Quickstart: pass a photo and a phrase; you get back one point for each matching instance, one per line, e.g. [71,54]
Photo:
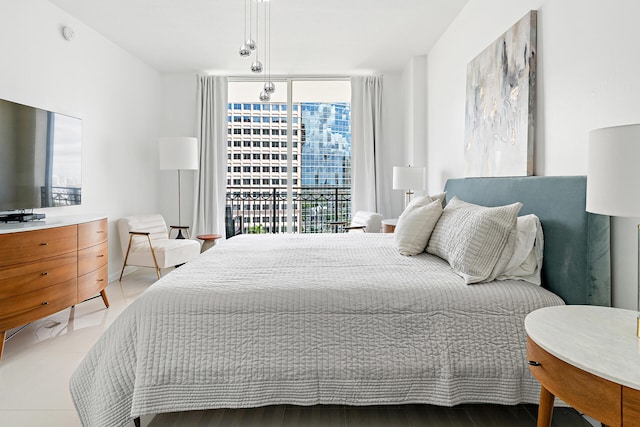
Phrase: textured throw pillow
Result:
[472,237]
[415,225]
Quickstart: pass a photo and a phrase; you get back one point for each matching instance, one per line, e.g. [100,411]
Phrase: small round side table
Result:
[208,240]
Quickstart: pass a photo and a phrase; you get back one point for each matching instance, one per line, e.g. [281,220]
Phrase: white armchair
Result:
[369,222]
[145,242]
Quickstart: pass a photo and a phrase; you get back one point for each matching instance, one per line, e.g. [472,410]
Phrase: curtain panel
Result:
[211,183]
[366,140]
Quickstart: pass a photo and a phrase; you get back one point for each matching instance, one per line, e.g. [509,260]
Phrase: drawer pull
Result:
[101,255]
[100,231]
[534,363]
[44,273]
[45,303]
[44,244]
[100,280]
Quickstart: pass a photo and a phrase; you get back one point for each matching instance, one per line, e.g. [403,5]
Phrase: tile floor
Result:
[39,360]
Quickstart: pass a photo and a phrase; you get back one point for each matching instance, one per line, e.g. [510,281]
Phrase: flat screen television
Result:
[40,158]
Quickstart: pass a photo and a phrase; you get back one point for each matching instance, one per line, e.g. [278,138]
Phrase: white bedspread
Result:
[310,319]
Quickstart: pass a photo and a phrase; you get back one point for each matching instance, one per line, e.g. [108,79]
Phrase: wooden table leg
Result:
[105,300]
[545,410]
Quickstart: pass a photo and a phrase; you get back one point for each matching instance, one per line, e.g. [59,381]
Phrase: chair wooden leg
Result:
[124,263]
[155,261]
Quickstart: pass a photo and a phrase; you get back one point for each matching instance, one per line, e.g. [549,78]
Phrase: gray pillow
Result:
[472,237]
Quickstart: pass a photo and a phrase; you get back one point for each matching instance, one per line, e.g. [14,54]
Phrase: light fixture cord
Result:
[244,35]
[268,5]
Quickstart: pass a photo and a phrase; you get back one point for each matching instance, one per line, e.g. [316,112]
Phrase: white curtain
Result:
[366,139]
[211,183]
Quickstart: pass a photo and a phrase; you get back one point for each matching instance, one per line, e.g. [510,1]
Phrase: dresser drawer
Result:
[24,278]
[92,233]
[585,392]
[92,258]
[92,283]
[25,308]
[27,246]
[630,407]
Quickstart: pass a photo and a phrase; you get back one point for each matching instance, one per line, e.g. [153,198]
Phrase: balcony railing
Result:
[264,209]
[60,196]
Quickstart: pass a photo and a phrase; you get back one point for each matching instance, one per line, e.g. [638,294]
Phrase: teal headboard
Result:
[576,263]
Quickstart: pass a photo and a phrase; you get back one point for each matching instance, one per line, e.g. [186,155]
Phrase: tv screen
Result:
[40,158]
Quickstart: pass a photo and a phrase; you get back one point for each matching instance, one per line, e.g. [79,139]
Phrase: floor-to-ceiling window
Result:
[289,159]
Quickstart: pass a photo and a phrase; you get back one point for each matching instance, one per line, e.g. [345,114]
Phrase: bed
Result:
[342,319]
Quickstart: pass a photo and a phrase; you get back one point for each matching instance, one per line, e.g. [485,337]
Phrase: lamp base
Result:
[179,236]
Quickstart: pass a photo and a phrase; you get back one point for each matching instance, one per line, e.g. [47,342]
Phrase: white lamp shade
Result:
[613,171]
[179,153]
[408,178]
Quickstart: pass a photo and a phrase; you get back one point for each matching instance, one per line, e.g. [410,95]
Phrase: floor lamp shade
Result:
[179,153]
[613,176]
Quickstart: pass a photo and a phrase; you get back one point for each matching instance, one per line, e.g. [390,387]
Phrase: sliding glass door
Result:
[289,159]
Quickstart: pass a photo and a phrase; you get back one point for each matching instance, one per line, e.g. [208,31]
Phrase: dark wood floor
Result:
[371,416]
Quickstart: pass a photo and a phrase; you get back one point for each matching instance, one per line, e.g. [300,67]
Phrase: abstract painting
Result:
[501,104]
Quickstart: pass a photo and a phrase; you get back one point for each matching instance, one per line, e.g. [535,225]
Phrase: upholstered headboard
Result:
[576,263]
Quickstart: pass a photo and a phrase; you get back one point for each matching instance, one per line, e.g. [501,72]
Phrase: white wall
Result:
[587,78]
[178,118]
[115,94]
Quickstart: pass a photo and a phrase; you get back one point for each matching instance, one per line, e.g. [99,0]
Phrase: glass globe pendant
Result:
[256,67]
[264,96]
[244,50]
[251,44]
[269,87]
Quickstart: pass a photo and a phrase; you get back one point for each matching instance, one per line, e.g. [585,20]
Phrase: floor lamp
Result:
[408,178]
[613,175]
[179,153]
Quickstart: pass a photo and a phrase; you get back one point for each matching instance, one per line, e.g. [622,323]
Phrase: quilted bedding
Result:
[310,319]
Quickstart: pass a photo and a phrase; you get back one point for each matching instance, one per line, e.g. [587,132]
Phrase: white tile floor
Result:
[38,361]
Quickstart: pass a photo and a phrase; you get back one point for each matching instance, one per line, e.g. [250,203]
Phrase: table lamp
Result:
[179,153]
[408,178]
[613,175]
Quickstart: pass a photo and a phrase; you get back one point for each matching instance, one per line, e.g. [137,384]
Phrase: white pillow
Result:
[415,225]
[472,237]
[526,261]
[425,200]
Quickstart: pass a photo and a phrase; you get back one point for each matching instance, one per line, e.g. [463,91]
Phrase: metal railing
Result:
[264,209]
[60,196]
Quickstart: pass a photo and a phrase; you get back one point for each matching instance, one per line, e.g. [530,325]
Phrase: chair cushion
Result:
[371,220]
[169,252]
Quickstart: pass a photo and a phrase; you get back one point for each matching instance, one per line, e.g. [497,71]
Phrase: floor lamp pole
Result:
[179,236]
[638,307]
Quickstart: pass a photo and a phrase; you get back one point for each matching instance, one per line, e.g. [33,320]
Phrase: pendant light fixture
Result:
[249,45]
[269,87]
[256,66]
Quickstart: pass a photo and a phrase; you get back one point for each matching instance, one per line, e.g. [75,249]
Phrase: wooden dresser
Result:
[47,267]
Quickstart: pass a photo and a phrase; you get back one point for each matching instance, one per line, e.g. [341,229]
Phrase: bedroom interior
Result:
[131,85]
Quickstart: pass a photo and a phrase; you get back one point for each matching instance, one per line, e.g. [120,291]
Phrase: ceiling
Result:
[333,37]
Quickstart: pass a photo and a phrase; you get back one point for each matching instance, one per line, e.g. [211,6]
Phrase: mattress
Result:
[310,319]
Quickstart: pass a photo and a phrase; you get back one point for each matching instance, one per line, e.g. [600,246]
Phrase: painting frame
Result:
[501,104]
